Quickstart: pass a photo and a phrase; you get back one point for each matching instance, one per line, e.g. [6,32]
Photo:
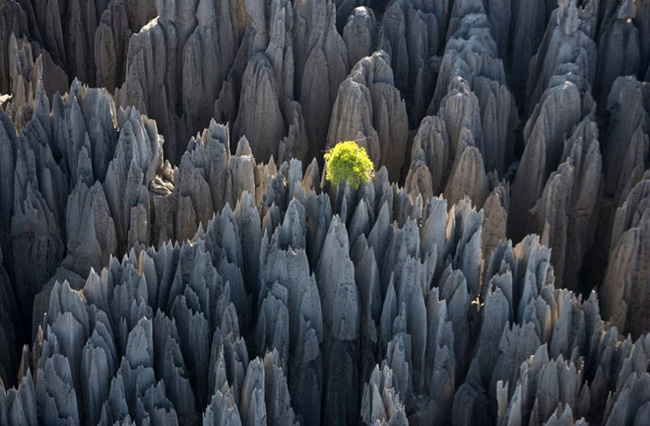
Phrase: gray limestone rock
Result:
[562,107]
[222,411]
[627,134]
[643,26]
[337,288]
[410,34]
[249,223]
[118,22]
[18,405]
[625,406]
[92,240]
[137,159]
[495,224]
[467,178]
[516,345]
[321,64]
[14,23]
[565,214]
[55,393]
[208,56]
[265,399]
[39,185]
[471,95]
[341,306]
[260,117]
[370,110]
[359,34]
[381,403]
[31,72]
[624,286]
[152,69]
[546,386]
[381,305]
[98,365]
[430,159]
[566,28]
[618,38]
[272,331]
[528,24]
[499,118]
[243,171]
[67,31]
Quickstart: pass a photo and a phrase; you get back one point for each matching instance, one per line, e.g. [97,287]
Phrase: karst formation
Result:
[172,252]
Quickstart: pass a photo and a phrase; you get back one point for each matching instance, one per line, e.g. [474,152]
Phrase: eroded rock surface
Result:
[171,251]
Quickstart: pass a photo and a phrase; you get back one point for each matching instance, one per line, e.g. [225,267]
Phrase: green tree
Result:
[347,161]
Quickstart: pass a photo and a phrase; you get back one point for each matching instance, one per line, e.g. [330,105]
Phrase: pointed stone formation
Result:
[468,178]
[496,220]
[166,273]
[568,26]
[430,162]
[472,99]
[13,21]
[618,39]
[528,24]
[562,106]
[31,72]
[411,32]
[359,34]
[153,67]
[626,406]
[67,32]
[208,56]
[625,285]
[381,403]
[137,160]
[269,115]
[370,110]
[565,213]
[560,383]
[627,140]
[341,321]
[55,393]
[321,64]
[260,117]
[119,21]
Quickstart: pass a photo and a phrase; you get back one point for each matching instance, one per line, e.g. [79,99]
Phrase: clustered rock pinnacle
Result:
[172,254]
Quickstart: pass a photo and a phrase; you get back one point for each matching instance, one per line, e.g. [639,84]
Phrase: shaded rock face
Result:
[172,253]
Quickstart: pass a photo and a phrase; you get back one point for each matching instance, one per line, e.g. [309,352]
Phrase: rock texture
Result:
[370,110]
[171,251]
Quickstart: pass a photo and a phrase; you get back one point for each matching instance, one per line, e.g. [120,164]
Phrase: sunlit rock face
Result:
[172,253]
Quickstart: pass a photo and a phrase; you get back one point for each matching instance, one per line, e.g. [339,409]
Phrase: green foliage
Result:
[349,162]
